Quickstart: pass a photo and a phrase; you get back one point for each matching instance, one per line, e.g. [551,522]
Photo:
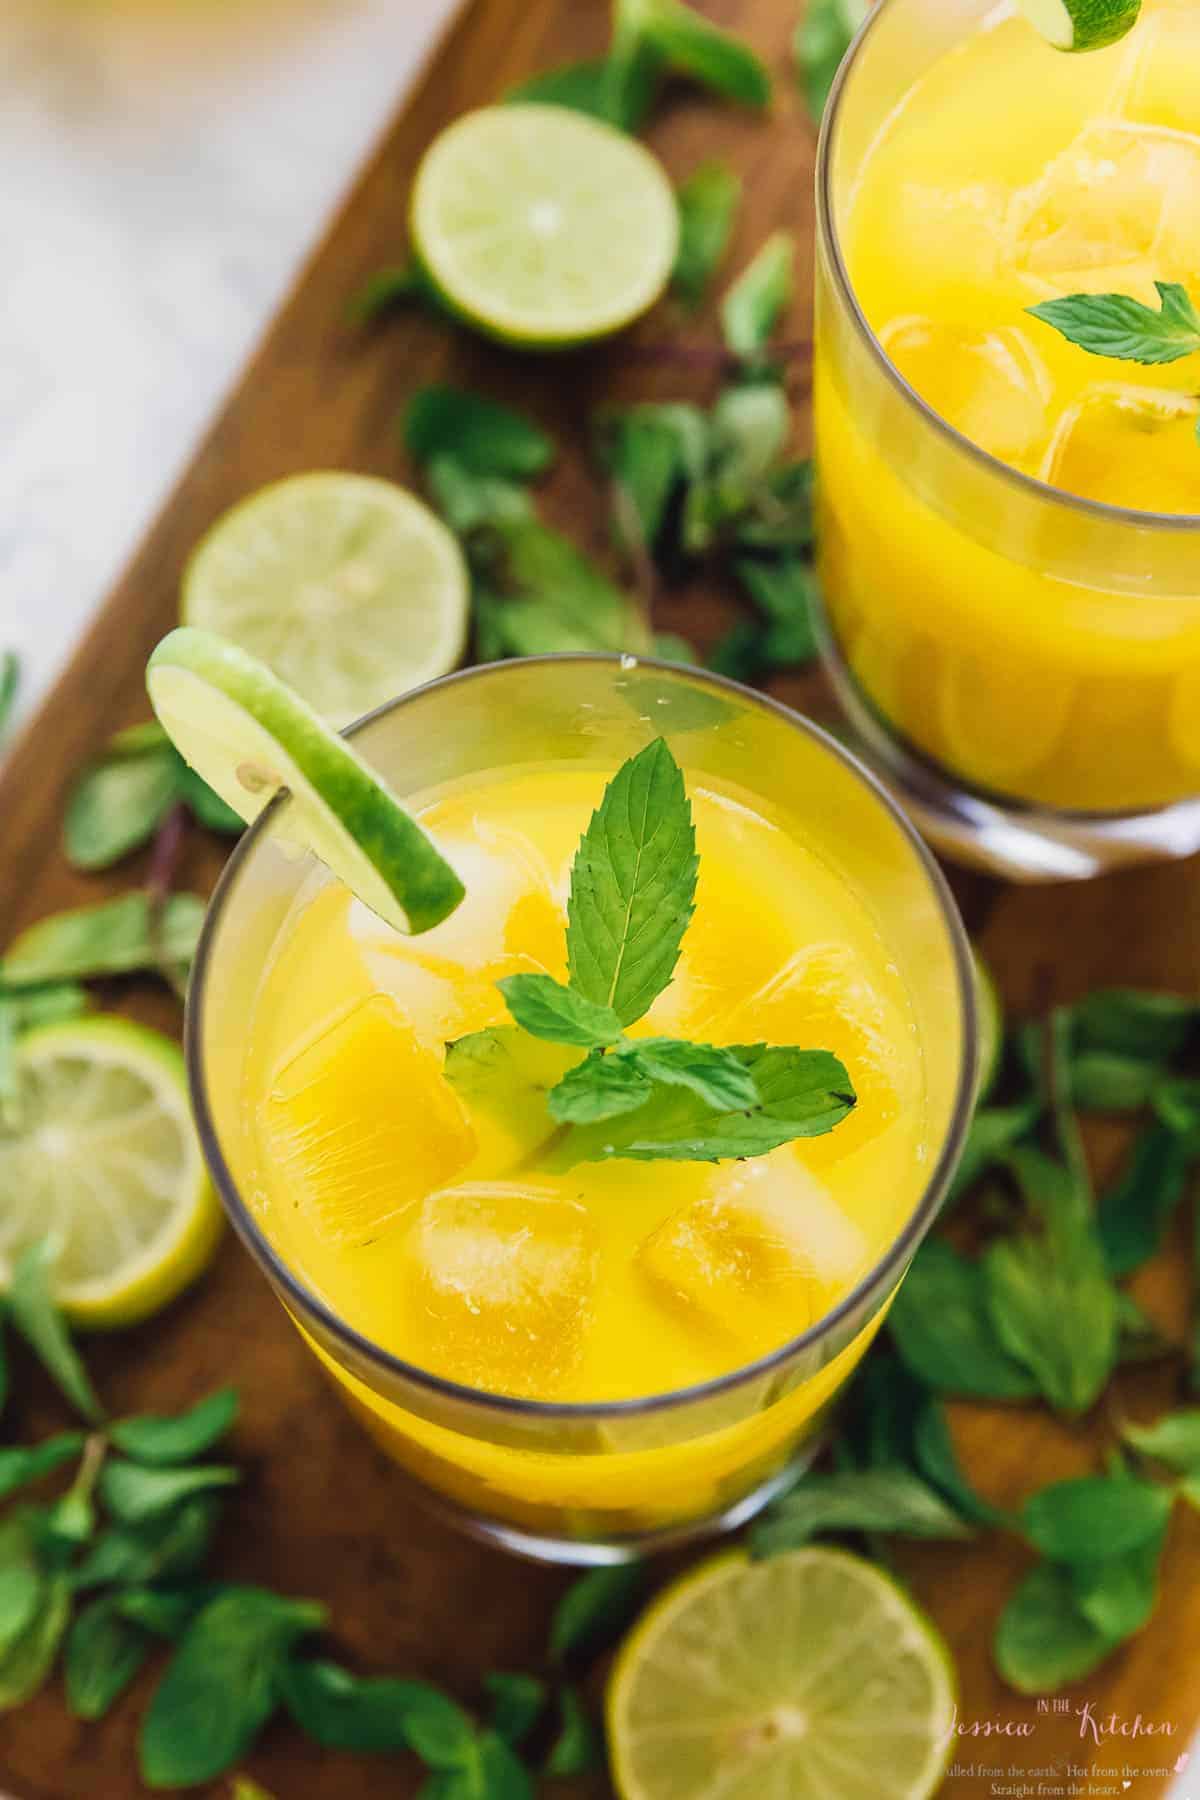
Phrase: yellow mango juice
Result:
[1031,643]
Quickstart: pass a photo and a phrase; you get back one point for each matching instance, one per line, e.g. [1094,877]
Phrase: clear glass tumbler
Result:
[590,1482]
[1023,665]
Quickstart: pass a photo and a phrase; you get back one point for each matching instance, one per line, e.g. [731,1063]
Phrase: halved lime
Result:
[1081,24]
[991,1025]
[809,1675]
[348,587]
[542,226]
[98,1151]
[249,735]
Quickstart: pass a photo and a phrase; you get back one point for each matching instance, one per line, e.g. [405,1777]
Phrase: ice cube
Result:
[761,1257]
[1129,445]
[1157,79]
[991,385]
[503,1274]
[822,999]
[361,1124]
[952,228]
[1114,210]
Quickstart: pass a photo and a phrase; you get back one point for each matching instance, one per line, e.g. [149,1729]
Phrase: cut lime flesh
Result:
[542,226]
[249,735]
[808,1675]
[348,587]
[99,1153]
[1082,24]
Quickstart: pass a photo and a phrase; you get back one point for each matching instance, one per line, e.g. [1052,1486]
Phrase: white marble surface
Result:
[167,164]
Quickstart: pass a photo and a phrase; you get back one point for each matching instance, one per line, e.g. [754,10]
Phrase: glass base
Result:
[589,1553]
[1021,843]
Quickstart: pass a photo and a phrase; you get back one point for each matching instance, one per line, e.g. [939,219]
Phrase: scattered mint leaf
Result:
[1173,1439]
[892,1500]
[942,1328]
[621,96]
[779,515]
[402,284]
[20,1597]
[177,1439]
[33,1311]
[1134,1213]
[1094,1516]
[469,503]
[165,1612]
[595,1610]
[821,41]
[377,1714]
[1117,325]
[548,597]
[1135,1022]
[221,1686]
[937,1460]
[20,1465]
[802,1093]
[784,591]
[716,1076]
[119,802]
[1104,1082]
[755,303]
[708,202]
[482,436]
[993,1132]
[600,1087]
[114,937]
[1043,1639]
[1139,1339]
[27,1661]
[687,44]
[169,1546]
[50,1004]
[134,1494]
[1118,1594]
[577,1750]
[563,1015]
[632,886]
[651,452]
[10,675]
[518,1702]
[1177,1103]
[104,1652]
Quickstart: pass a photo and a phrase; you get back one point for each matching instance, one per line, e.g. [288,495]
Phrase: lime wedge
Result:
[810,1675]
[991,1026]
[348,587]
[249,735]
[543,226]
[1081,24]
[98,1151]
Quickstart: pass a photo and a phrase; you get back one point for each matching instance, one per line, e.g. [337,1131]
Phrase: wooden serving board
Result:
[321,1512]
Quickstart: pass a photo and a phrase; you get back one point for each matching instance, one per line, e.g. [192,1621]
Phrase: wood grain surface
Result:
[321,1512]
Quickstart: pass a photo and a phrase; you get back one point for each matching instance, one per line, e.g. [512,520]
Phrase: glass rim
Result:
[1032,486]
[310,1306]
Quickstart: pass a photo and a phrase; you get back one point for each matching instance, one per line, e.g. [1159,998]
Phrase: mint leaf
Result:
[1043,1639]
[1134,1022]
[944,1333]
[1135,1212]
[595,1609]
[708,202]
[10,674]
[1094,1516]
[134,1494]
[620,92]
[1174,1439]
[482,436]
[751,309]
[632,886]
[577,1749]
[169,1546]
[20,1464]
[601,1087]
[114,937]
[378,1714]
[821,41]
[404,284]
[1118,1594]
[547,1009]
[104,1651]
[177,1439]
[119,801]
[892,1500]
[517,1704]
[33,1311]
[1117,325]
[937,1460]
[651,451]
[1102,1082]
[801,1093]
[785,593]
[688,45]
[716,1076]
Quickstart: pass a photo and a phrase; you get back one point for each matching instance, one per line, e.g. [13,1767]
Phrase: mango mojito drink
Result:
[1009,529]
[590,1196]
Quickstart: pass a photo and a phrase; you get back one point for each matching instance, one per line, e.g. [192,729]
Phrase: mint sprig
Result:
[633,885]
[1118,325]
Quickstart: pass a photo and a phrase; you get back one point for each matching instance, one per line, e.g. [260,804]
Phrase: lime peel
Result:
[1081,24]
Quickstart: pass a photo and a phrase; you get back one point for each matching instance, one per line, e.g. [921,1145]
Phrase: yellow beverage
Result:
[1036,648]
[418,1214]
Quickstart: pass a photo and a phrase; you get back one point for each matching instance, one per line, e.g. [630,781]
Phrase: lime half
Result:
[98,1151]
[809,1675]
[991,1025]
[249,735]
[348,587]
[543,226]
[1081,24]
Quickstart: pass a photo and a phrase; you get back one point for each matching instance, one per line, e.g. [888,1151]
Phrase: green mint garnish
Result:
[1119,326]
[633,884]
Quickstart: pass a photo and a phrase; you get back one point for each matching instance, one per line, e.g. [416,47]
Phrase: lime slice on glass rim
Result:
[1081,24]
[98,1152]
[347,586]
[991,1026]
[542,226]
[809,1675]
[249,735]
